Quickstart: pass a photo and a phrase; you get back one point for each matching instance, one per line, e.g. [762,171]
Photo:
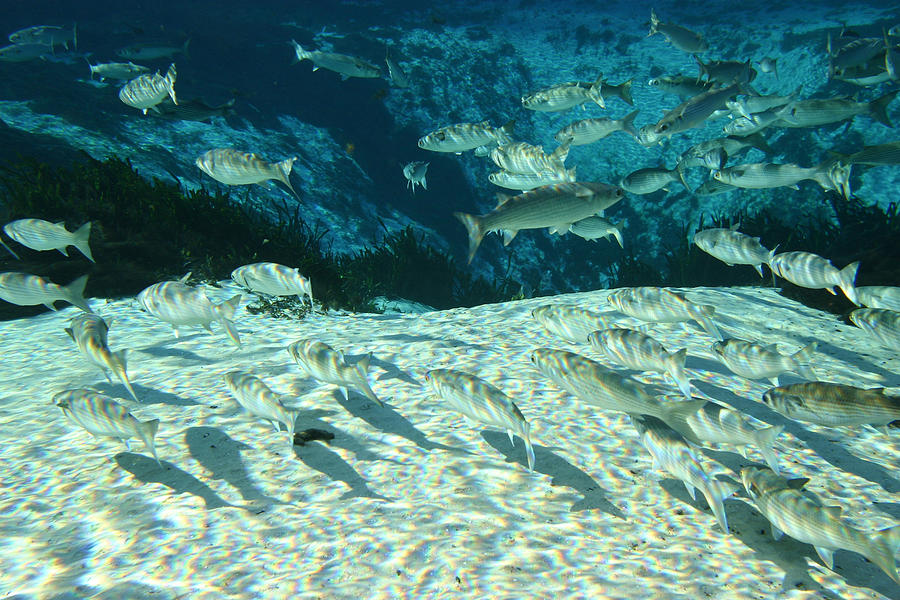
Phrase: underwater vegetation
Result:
[148,231]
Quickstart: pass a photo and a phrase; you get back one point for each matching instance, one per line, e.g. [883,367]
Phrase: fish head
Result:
[718,348]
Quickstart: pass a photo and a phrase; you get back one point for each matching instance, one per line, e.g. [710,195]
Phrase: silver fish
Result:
[834,404]
[149,90]
[183,306]
[734,248]
[102,416]
[321,361]
[768,65]
[152,50]
[414,172]
[38,234]
[771,175]
[522,157]
[343,64]
[823,111]
[680,85]
[191,110]
[119,71]
[672,454]
[854,53]
[89,332]
[648,137]
[594,228]
[652,179]
[555,206]
[878,155]
[713,159]
[731,145]
[571,323]
[695,111]
[398,77]
[725,72]
[273,279]
[46,35]
[755,361]
[29,290]
[681,37]
[757,104]
[483,403]
[260,401]
[881,323]
[891,58]
[466,136]
[588,131]
[621,91]
[751,124]
[529,181]
[564,96]
[812,271]
[659,305]
[879,296]
[233,167]
[635,350]
[22,52]
[805,519]
[713,187]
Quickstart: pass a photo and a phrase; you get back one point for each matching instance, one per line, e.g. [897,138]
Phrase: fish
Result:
[756,104]
[877,155]
[322,362]
[680,85]
[867,75]
[594,228]
[725,72]
[734,248]
[233,167]
[46,35]
[571,323]
[713,187]
[648,137]
[152,50]
[588,131]
[483,403]
[256,398]
[346,66]
[732,145]
[891,59]
[854,53]
[812,271]
[659,305]
[191,110]
[117,70]
[180,305]
[89,332]
[794,512]
[102,416]
[30,290]
[713,159]
[621,91]
[529,181]
[883,324]
[768,65]
[147,90]
[636,350]
[879,296]
[771,175]
[672,454]
[466,136]
[398,77]
[753,123]
[834,404]
[755,361]
[694,111]
[40,235]
[703,423]
[681,37]
[652,179]
[824,111]
[522,157]
[555,206]
[415,174]
[564,96]
[594,383]
[273,279]
[22,52]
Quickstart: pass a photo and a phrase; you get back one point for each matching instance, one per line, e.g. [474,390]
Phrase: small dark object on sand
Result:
[311,435]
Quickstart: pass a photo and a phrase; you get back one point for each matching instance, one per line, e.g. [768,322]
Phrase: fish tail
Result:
[147,432]
[81,239]
[883,548]
[362,367]
[119,366]
[10,250]
[704,317]
[681,178]
[765,441]
[618,235]
[759,142]
[300,53]
[878,107]
[284,170]
[292,423]
[846,279]
[569,174]
[476,231]
[715,494]
[625,91]
[226,314]
[74,294]
[628,124]
[654,23]
[675,369]
[561,153]
[170,83]
[802,358]
[529,449]
[596,91]
[504,134]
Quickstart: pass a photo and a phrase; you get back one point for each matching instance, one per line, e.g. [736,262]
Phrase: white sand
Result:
[411,501]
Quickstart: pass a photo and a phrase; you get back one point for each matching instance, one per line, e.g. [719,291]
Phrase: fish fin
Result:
[765,442]
[71,333]
[759,269]
[716,494]
[509,434]
[170,84]
[476,231]
[802,358]
[691,490]
[703,317]
[847,279]
[147,432]
[81,238]
[10,250]
[797,483]
[776,533]
[826,555]
[284,168]
[184,48]
[626,93]
[185,277]
[833,511]
[878,108]
[74,294]
[508,236]
[675,369]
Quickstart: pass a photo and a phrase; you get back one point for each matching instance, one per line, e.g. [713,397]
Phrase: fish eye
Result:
[440,136]
[663,127]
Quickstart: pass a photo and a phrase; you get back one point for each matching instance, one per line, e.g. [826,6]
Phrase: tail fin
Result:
[74,294]
[504,134]
[596,91]
[675,369]
[561,153]
[625,91]
[476,232]
[701,67]
[362,367]
[802,358]
[757,141]
[765,441]
[10,250]
[704,317]
[284,170]
[120,368]
[682,179]
[529,449]
[878,108]
[884,547]
[81,239]
[654,23]
[628,122]
[147,432]
[170,82]
[226,314]
[846,279]
[617,233]
[715,494]
[299,52]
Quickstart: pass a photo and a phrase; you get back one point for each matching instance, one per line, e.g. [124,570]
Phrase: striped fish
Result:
[564,96]
[321,361]
[149,90]
[555,206]
[595,384]
[659,305]
[594,228]
[812,271]
[805,519]
[343,64]
[183,306]
[30,290]
[694,111]
[466,136]
[274,279]
[529,181]
[260,401]
[102,416]
[834,404]
[571,323]
[89,332]
[881,323]
[588,131]
[483,403]
[755,361]
[525,158]
[879,296]
[734,248]
[40,235]
[672,454]
[635,350]
[232,167]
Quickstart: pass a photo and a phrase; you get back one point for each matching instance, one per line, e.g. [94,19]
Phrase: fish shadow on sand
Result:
[221,456]
[164,351]
[853,359]
[392,371]
[320,458]
[561,472]
[832,452]
[146,395]
[146,470]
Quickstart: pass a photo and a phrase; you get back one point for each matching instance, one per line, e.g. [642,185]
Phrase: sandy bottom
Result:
[411,500]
